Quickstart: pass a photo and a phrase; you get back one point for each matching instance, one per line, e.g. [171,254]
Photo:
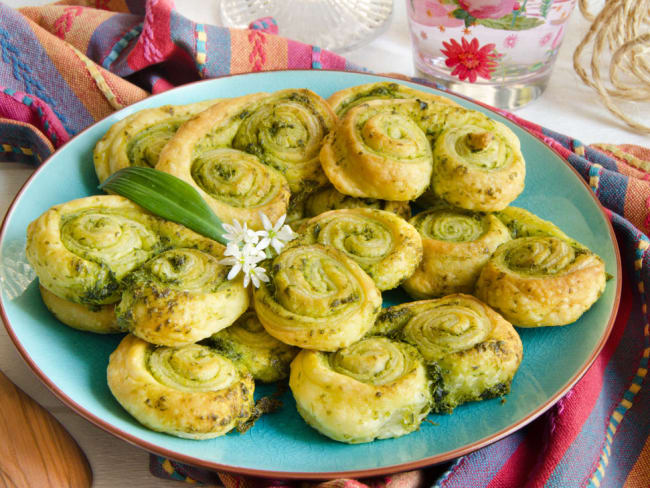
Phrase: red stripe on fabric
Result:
[298,55]
[329,60]
[154,44]
[521,468]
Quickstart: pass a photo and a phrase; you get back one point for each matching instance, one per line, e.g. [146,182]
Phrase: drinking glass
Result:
[500,52]
[337,25]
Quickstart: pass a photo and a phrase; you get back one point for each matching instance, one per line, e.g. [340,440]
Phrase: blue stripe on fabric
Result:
[577,463]
[218,51]
[9,91]
[25,66]
[120,45]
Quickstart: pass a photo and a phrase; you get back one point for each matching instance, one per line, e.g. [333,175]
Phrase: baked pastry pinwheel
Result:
[192,392]
[522,223]
[81,250]
[385,246]
[138,139]
[330,199]
[457,243]
[472,353]
[284,130]
[344,100]
[235,184]
[380,150]
[248,344]
[180,297]
[477,163]
[542,280]
[317,298]
[375,388]
[100,319]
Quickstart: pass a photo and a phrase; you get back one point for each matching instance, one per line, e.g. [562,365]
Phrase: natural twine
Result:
[622,30]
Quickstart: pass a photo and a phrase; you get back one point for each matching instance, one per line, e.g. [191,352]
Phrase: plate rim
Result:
[393,468]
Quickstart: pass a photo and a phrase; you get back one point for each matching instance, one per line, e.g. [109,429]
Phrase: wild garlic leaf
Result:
[168,197]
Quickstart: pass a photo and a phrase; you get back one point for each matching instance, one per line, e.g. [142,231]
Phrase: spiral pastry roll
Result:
[330,199]
[81,250]
[373,389]
[180,297]
[100,319]
[385,246]
[192,392]
[247,343]
[381,150]
[537,281]
[345,99]
[317,298]
[522,223]
[286,131]
[472,352]
[456,245]
[477,163]
[138,139]
[235,184]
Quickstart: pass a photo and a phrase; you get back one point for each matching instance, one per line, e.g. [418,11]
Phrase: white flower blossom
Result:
[275,235]
[244,249]
[242,259]
[237,233]
[256,275]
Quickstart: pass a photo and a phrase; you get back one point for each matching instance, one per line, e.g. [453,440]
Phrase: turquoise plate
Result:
[73,363]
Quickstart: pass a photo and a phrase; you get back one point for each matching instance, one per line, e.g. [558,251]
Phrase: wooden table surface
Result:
[567,106]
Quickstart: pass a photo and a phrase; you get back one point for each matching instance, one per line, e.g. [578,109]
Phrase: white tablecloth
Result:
[567,106]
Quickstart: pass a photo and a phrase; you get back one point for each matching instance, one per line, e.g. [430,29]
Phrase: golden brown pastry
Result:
[284,130]
[330,199]
[235,184]
[457,243]
[247,343]
[191,392]
[344,100]
[317,298]
[100,319]
[537,281]
[380,150]
[477,163]
[373,389]
[81,250]
[385,246]
[471,352]
[180,297]
[138,139]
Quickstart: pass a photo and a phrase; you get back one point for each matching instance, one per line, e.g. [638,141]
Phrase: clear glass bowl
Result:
[337,25]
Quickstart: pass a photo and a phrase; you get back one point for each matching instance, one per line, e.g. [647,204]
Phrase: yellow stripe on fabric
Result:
[638,264]
[643,244]
[627,157]
[640,472]
[641,287]
[595,481]
[642,372]
[7,148]
[646,351]
[626,403]
[27,151]
[617,416]
[99,79]
[634,388]
[167,466]
[580,150]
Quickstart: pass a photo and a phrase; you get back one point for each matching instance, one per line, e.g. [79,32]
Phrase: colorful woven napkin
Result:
[66,65]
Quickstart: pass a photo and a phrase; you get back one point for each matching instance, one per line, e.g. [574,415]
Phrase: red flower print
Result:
[470,60]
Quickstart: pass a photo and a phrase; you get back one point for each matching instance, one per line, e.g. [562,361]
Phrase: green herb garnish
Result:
[168,197]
